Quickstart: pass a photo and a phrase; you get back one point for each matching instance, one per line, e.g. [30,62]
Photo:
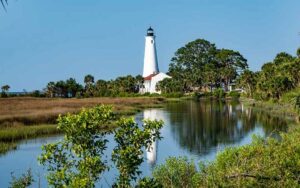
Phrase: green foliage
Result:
[22,182]
[234,94]
[13,134]
[176,172]
[188,63]
[200,64]
[68,88]
[247,80]
[267,163]
[275,79]
[263,163]
[170,85]
[173,95]
[130,139]
[148,183]
[4,91]
[298,52]
[123,86]
[5,147]
[77,160]
[219,93]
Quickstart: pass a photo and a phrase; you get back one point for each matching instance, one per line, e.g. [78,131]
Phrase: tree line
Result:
[121,86]
[274,79]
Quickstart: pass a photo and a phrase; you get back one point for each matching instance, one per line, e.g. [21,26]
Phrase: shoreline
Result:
[14,130]
[277,109]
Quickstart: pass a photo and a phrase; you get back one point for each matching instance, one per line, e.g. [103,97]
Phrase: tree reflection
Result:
[201,125]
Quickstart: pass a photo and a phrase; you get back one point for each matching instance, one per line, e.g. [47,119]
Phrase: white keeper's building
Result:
[151,72]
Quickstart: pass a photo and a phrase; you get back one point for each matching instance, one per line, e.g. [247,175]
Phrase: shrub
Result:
[22,182]
[234,94]
[176,172]
[78,160]
[263,163]
[219,93]
[173,95]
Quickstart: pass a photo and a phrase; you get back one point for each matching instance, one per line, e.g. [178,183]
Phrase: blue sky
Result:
[46,40]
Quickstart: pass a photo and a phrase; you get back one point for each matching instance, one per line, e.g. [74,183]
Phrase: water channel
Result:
[196,129]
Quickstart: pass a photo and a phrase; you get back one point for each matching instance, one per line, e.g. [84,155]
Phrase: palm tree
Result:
[51,89]
[88,79]
[5,88]
[89,85]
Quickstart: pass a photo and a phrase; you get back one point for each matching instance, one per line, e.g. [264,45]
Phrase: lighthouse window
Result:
[151,41]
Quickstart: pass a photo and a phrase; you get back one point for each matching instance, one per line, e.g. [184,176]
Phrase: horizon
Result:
[46,41]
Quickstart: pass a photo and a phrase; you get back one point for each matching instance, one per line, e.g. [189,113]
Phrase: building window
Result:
[151,41]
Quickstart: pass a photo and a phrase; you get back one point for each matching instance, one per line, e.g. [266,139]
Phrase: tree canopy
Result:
[201,64]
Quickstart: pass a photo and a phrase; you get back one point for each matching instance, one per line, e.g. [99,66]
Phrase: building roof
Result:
[150,76]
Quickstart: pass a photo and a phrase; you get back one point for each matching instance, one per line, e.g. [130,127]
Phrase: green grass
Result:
[290,96]
[5,147]
[13,134]
[279,109]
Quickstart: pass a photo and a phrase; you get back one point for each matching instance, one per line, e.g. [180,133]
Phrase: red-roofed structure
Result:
[150,76]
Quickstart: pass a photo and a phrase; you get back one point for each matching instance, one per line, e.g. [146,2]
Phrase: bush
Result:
[202,94]
[263,163]
[176,172]
[173,95]
[22,182]
[219,93]
[148,183]
[234,94]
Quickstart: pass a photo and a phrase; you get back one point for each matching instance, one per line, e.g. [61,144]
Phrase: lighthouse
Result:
[151,72]
[150,57]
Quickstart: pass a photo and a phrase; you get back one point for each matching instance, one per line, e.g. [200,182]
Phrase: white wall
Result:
[150,58]
[155,79]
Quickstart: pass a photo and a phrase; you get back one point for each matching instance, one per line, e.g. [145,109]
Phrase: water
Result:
[197,129]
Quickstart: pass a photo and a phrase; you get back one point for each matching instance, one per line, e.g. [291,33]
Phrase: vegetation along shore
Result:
[28,117]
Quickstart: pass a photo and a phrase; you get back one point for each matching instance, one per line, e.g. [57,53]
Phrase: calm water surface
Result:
[197,129]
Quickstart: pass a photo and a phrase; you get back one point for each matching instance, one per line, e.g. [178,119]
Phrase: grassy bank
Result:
[11,135]
[263,163]
[282,109]
[4,147]
[32,111]
[28,117]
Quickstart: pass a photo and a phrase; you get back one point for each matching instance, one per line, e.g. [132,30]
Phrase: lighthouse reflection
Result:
[153,114]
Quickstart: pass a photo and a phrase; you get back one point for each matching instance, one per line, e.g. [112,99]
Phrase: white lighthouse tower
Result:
[150,58]
[151,72]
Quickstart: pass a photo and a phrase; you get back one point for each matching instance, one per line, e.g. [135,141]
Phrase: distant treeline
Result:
[198,67]
[121,86]
[277,80]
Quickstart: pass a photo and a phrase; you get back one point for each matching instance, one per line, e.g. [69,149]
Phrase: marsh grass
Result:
[5,147]
[28,117]
[278,109]
[11,135]
[29,110]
